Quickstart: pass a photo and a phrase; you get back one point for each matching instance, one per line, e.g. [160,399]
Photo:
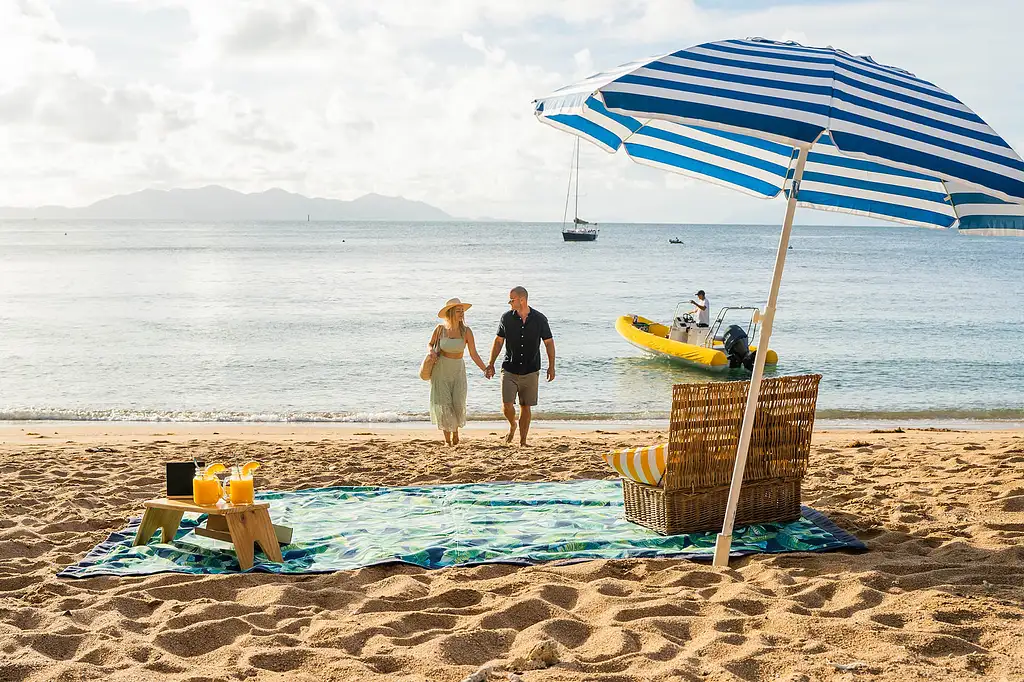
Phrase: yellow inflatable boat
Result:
[715,348]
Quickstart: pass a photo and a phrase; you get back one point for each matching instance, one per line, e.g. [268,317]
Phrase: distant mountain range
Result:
[220,203]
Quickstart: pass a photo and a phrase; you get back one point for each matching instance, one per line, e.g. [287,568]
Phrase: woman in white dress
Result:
[448,378]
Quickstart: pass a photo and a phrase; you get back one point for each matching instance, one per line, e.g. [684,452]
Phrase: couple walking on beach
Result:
[521,331]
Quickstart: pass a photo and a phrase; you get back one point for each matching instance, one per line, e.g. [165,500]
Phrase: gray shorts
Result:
[523,385]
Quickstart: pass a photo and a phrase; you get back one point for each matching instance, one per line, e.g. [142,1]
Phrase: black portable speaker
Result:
[179,478]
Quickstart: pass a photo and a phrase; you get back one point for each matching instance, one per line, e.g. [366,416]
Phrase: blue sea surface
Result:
[324,321]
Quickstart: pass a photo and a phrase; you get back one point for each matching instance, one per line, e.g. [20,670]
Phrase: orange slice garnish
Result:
[214,469]
[250,467]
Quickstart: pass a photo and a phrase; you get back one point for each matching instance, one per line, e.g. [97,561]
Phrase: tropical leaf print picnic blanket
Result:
[438,526]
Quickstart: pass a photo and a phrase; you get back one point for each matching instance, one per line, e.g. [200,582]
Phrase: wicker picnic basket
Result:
[703,436]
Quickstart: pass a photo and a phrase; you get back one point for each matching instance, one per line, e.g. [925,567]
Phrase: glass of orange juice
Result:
[242,490]
[206,490]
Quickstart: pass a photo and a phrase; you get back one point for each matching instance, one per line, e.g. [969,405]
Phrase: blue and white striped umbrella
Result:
[827,129]
[759,159]
[981,213]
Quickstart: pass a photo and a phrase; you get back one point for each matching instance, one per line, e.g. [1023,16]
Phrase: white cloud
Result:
[430,100]
[493,54]
[257,31]
[33,45]
[584,64]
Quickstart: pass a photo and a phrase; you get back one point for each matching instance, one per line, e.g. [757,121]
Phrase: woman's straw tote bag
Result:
[427,366]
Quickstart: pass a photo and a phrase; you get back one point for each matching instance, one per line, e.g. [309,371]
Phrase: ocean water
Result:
[317,321]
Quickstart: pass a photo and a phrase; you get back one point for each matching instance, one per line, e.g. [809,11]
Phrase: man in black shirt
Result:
[521,330]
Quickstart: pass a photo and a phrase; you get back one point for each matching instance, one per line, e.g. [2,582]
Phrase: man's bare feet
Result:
[511,434]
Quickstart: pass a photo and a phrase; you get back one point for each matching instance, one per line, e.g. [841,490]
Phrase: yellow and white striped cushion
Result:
[643,465]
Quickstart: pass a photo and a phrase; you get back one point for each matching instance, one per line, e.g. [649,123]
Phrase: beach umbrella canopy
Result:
[824,128]
[831,180]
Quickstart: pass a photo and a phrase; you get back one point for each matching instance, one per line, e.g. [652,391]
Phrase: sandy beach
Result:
[938,596]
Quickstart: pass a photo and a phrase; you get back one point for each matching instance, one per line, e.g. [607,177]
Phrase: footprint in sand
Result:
[569,633]
[474,647]
[281,660]
[1013,501]
[889,620]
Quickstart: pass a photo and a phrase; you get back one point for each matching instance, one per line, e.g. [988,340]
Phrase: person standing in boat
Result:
[702,309]
[448,378]
[521,331]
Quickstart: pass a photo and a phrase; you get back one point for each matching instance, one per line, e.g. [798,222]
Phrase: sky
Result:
[430,100]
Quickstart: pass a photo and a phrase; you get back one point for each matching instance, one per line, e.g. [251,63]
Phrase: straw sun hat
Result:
[451,303]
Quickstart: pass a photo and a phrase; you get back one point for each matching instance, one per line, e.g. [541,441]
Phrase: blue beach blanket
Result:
[343,528]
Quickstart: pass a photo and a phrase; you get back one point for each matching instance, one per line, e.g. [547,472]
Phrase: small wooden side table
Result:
[244,526]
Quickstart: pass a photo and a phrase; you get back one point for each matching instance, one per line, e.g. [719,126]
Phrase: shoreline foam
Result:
[14,415]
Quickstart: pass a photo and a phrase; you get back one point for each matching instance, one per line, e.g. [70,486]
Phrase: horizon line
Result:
[453,219]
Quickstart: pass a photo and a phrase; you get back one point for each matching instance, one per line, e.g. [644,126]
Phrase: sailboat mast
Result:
[568,189]
[576,211]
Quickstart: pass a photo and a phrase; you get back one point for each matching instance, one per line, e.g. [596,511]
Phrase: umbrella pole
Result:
[724,541]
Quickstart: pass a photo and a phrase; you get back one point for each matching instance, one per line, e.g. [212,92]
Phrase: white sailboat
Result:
[580,230]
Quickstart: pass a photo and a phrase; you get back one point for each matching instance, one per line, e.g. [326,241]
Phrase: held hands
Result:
[489,372]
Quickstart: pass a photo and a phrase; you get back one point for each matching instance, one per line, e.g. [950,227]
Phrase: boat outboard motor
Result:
[737,347]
